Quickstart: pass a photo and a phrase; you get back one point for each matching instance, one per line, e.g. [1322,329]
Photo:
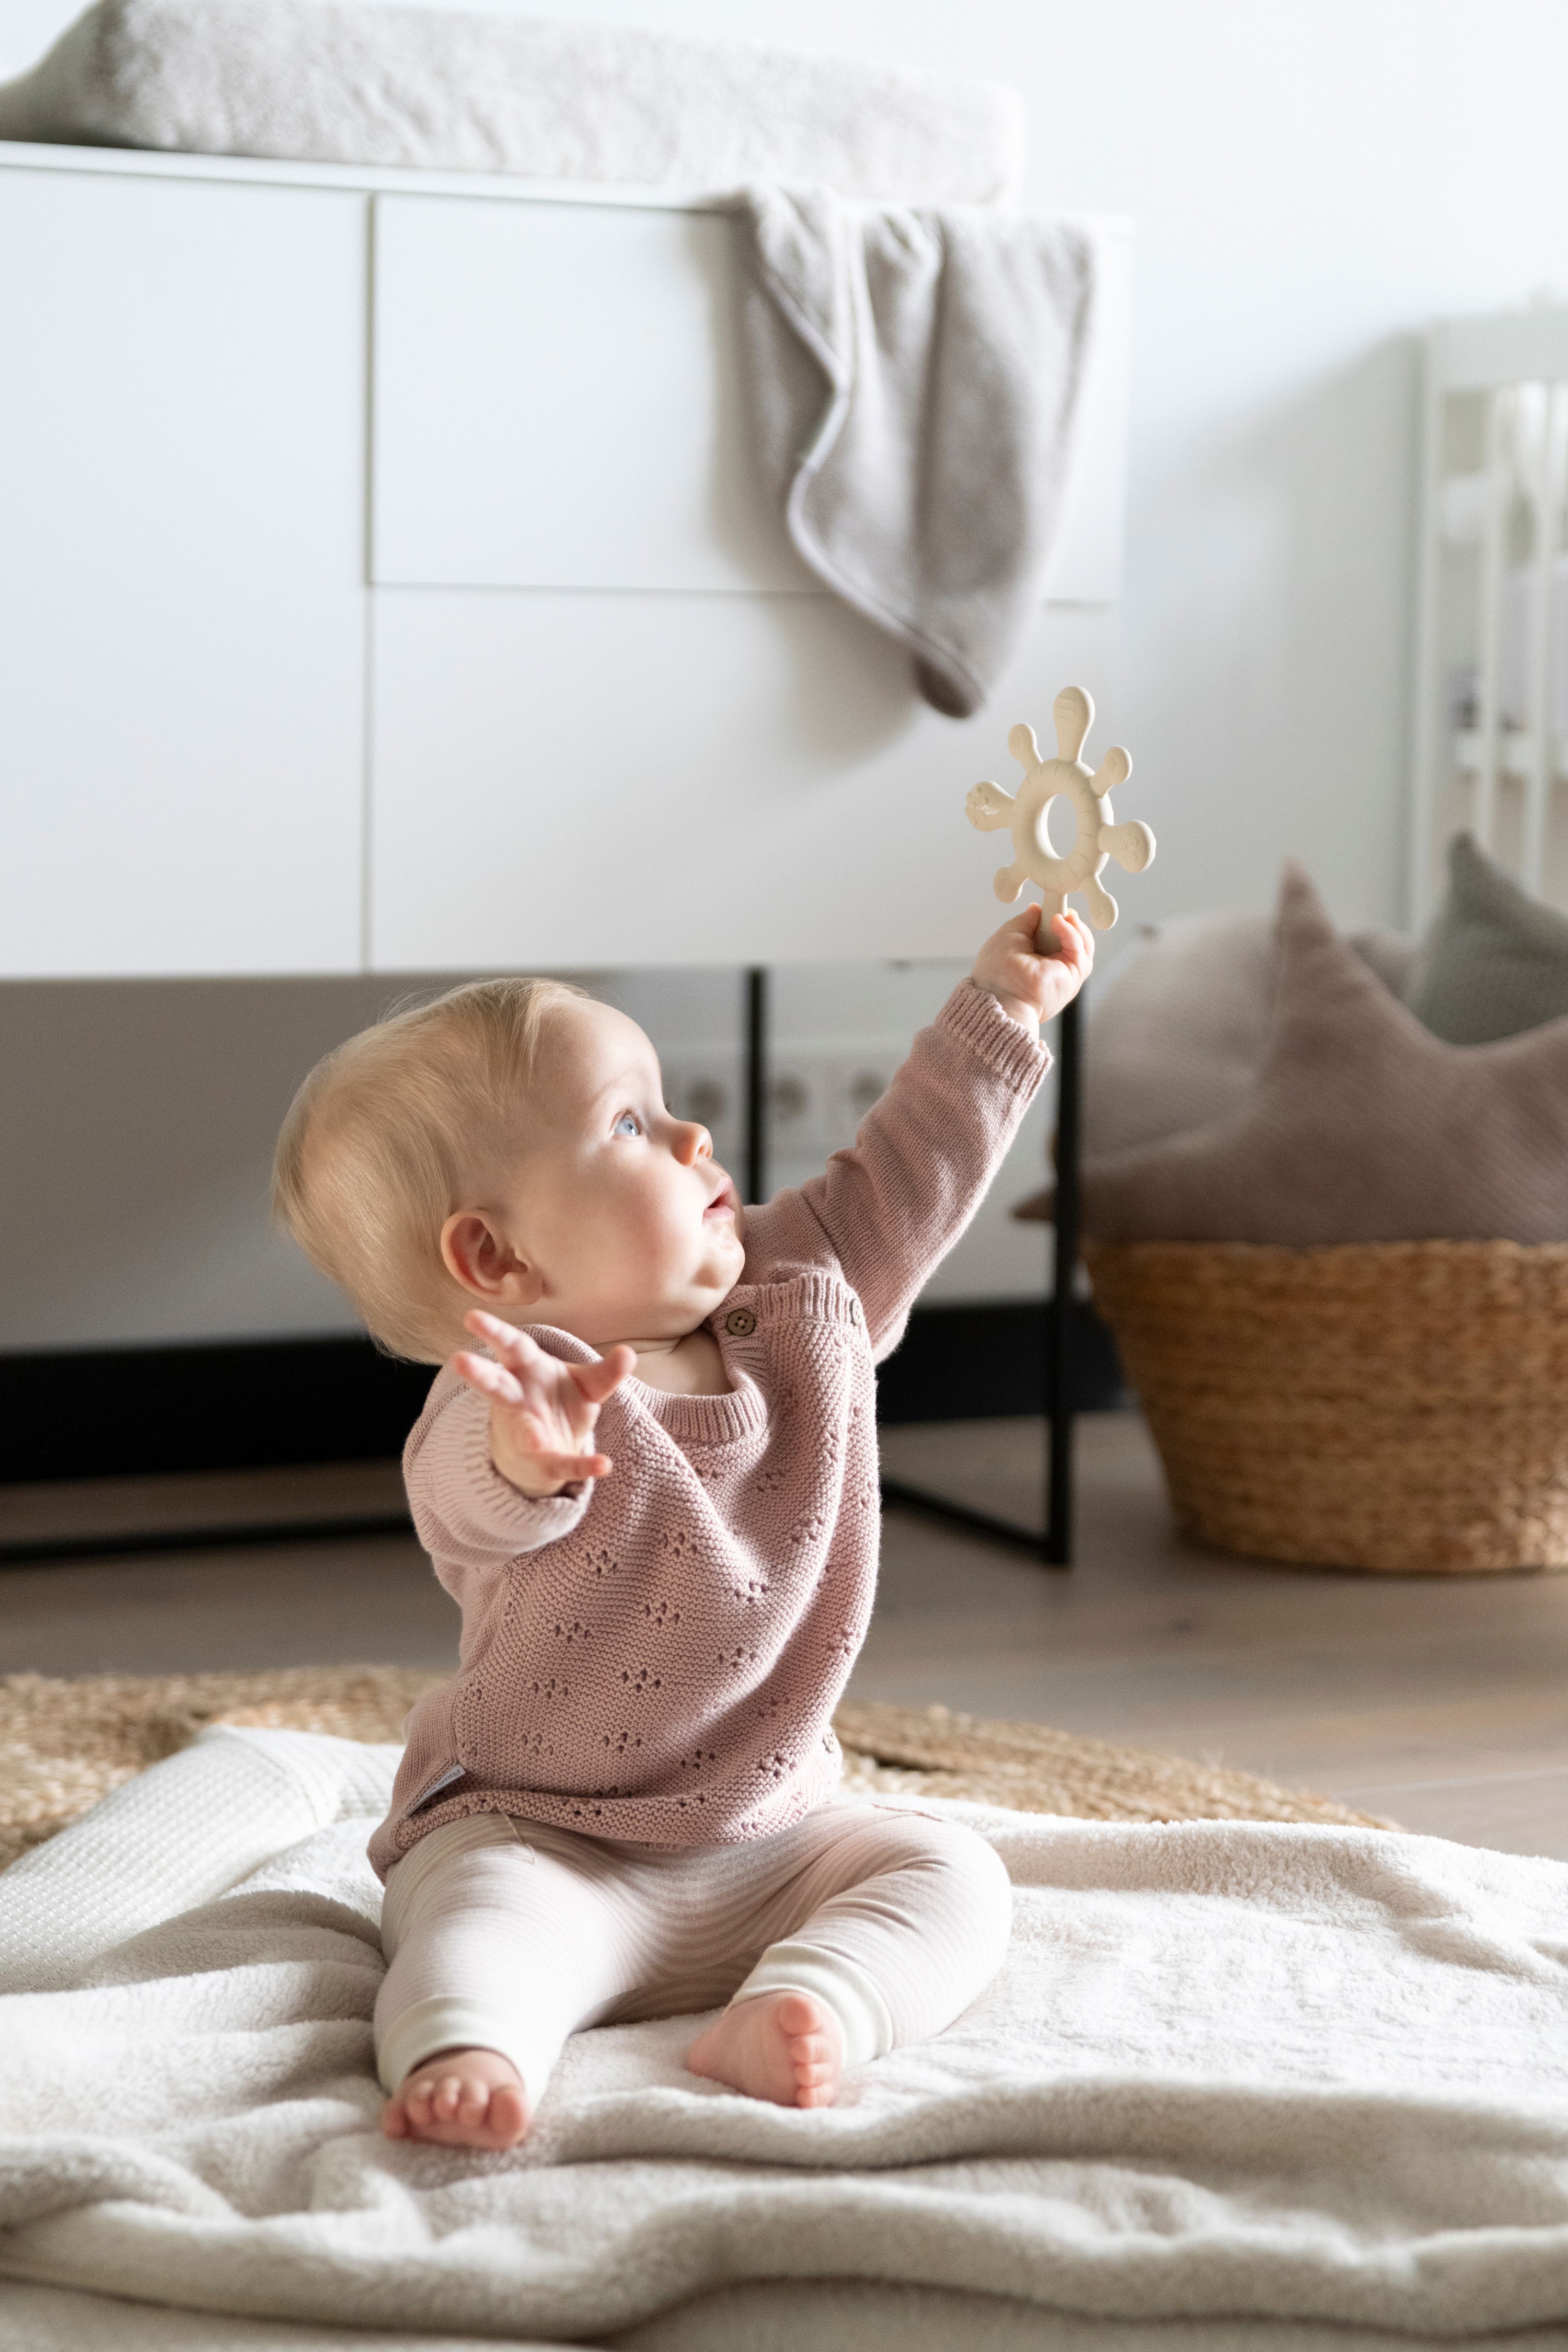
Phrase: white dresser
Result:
[384,585]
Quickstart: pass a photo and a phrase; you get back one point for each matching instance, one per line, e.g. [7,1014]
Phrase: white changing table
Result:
[384,585]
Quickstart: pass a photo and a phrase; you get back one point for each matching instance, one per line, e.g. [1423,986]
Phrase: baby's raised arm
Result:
[890,1207]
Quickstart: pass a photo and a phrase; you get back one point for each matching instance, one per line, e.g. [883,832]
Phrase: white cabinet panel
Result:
[591,778]
[1085,562]
[182,606]
[559,405]
[558,402]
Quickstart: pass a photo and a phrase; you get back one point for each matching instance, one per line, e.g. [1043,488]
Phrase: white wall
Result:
[1312,181]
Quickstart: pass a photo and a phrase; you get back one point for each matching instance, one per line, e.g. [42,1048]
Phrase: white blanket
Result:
[914,384]
[326,83]
[1233,2073]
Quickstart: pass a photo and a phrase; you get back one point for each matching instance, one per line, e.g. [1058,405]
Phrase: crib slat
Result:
[1546,486]
[1498,403]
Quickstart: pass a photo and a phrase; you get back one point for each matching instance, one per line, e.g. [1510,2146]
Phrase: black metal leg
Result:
[1060,1320]
[756,1111]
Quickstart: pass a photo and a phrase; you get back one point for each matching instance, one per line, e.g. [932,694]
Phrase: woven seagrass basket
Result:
[1394,1406]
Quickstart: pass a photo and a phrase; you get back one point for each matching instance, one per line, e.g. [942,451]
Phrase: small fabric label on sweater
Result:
[428,1795]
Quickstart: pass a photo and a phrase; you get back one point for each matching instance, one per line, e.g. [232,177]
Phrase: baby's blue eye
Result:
[628,1123]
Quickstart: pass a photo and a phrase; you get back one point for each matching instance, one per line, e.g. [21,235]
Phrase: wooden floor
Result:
[1440,1701]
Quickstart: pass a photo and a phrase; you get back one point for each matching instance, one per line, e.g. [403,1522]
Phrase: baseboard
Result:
[987,1360]
[122,1413]
[117,1413]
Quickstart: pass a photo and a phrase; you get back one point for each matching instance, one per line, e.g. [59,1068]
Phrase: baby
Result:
[653,1494]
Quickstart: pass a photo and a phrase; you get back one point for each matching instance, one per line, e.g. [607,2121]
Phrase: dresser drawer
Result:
[558,402]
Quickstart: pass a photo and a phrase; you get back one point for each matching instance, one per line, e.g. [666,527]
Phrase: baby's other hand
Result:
[1028,986]
[542,1412]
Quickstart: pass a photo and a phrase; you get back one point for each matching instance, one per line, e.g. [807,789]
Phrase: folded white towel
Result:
[914,383]
[322,82]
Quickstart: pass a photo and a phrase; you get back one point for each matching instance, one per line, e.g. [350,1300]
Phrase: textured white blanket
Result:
[1232,2074]
[327,83]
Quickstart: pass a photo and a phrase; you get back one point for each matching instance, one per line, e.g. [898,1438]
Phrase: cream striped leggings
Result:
[507,1935]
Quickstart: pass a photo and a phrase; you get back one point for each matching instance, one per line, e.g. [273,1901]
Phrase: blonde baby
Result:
[651,1488]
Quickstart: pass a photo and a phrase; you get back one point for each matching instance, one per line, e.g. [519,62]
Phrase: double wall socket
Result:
[817,1098]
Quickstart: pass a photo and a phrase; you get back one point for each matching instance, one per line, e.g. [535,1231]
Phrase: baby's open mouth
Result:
[725,1202]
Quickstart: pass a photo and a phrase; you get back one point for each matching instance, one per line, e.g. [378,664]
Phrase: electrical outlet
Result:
[707,1086]
[816,1100]
[795,1105]
[858,1084]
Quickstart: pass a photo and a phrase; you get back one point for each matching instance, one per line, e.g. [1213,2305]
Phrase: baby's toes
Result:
[473,2105]
[445,2099]
[415,2098]
[395,2119]
[507,2114]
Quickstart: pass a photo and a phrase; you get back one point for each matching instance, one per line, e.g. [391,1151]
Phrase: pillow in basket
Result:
[1179,1036]
[1361,1127]
[1495,960]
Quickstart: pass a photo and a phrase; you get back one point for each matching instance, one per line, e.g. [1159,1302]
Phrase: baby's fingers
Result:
[1073,942]
[596,1382]
[491,1379]
[513,1347]
[568,1467]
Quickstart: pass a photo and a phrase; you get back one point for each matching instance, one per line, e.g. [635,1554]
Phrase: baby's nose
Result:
[692,1143]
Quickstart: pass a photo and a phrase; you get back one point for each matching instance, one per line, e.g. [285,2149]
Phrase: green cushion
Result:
[1495,960]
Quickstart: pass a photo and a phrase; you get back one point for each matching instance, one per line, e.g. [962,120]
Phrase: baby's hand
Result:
[542,1412]
[1028,986]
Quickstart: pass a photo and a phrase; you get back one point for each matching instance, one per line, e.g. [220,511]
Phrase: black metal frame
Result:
[1053,1545]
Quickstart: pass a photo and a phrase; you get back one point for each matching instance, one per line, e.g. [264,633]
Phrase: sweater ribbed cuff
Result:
[529,1519]
[973,1013]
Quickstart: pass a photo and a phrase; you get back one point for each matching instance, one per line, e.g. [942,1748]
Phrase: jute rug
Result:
[63,1745]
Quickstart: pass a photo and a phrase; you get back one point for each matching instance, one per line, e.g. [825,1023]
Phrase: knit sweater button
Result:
[741,1324]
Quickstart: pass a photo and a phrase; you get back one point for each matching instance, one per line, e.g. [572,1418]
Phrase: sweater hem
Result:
[669,1821]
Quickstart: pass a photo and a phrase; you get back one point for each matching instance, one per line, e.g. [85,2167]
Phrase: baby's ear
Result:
[479,1257]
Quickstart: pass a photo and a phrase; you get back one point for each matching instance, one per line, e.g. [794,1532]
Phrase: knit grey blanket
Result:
[1240,2084]
[914,381]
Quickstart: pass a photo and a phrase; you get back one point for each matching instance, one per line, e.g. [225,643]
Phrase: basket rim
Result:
[1240,1254]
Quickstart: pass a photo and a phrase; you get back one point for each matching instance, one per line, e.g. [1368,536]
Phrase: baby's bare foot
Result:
[781,2046]
[459,2098]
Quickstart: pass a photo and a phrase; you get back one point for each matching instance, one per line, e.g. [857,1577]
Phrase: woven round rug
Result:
[65,1744]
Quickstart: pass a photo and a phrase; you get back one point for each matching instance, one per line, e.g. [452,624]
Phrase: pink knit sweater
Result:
[657,1657]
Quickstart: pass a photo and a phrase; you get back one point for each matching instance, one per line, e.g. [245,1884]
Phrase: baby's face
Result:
[619,1212]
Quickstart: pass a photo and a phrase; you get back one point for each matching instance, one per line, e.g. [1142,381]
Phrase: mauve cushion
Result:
[1363,1127]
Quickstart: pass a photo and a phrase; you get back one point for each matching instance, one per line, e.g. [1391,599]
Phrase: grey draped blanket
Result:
[914,386]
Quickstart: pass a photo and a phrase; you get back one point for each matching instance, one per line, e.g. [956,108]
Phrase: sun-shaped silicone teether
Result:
[1025,816]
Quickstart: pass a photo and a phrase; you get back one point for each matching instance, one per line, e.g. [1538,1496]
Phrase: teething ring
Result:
[1026,816]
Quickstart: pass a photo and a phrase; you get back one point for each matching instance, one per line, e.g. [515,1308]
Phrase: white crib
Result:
[1491,719]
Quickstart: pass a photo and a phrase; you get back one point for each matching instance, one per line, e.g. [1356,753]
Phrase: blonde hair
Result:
[393,1132]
